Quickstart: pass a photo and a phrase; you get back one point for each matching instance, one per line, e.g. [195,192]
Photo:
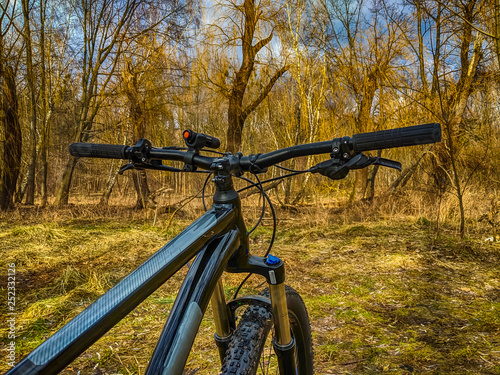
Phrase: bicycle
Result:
[218,242]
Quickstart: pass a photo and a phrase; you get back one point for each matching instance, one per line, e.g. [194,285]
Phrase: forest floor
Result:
[384,294]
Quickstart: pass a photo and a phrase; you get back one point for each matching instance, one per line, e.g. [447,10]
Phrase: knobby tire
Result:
[247,347]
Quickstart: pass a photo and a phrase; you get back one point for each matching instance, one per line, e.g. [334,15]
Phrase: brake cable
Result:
[260,187]
[274,179]
[288,169]
[265,197]
[203,190]
[273,236]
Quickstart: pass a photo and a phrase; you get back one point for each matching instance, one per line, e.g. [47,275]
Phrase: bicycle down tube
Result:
[177,338]
[80,333]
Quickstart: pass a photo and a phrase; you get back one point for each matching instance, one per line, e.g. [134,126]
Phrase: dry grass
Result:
[385,293]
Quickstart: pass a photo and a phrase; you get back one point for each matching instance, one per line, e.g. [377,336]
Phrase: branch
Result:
[264,93]
[262,43]
[223,89]
[468,22]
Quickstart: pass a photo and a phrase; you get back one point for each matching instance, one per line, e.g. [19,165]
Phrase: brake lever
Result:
[126,167]
[337,169]
[154,164]
[388,163]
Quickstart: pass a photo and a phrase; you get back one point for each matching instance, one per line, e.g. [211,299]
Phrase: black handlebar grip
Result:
[409,136]
[93,150]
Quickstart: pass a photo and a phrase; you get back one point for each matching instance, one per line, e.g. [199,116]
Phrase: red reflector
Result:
[186,134]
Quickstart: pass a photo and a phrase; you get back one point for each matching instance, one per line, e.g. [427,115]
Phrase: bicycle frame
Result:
[219,241]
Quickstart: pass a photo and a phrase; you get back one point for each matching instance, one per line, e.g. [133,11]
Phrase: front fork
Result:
[283,342]
[221,318]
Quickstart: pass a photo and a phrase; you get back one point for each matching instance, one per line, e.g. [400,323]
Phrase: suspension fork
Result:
[221,318]
[280,314]
[272,268]
[284,342]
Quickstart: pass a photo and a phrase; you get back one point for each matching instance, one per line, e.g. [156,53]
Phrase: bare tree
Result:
[30,80]
[11,162]
[243,27]
[104,26]
[365,50]
[308,70]
[108,28]
[138,118]
[455,47]
[10,129]
[496,27]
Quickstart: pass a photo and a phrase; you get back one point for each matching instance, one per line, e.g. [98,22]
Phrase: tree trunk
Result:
[301,192]
[237,113]
[497,29]
[113,174]
[30,192]
[458,106]
[404,176]
[141,187]
[43,150]
[22,188]
[363,124]
[30,180]
[46,112]
[370,182]
[437,53]
[458,186]
[62,193]
[421,49]
[9,168]
[44,168]
[138,118]
[235,123]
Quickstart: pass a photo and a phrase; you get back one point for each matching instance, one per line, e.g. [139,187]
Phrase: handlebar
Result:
[408,136]
[94,150]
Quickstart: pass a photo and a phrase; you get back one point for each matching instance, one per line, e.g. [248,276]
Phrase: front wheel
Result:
[251,351]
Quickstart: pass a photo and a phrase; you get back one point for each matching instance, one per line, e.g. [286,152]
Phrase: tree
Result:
[364,50]
[496,27]
[10,129]
[104,27]
[454,106]
[107,28]
[46,98]
[47,60]
[11,158]
[309,84]
[30,80]
[138,118]
[448,34]
[247,22]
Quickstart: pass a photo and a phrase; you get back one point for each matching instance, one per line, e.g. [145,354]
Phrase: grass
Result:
[384,295]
